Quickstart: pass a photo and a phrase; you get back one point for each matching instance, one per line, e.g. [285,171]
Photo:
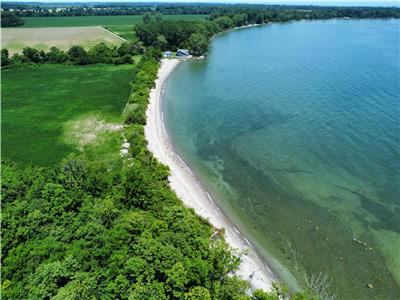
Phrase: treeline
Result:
[10,19]
[284,14]
[99,9]
[145,75]
[195,35]
[82,230]
[77,55]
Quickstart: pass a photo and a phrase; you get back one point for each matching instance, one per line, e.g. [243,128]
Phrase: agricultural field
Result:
[50,111]
[120,25]
[37,22]
[15,39]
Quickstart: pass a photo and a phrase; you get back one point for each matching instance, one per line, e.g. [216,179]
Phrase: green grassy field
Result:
[124,31]
[41,105]
[34,22]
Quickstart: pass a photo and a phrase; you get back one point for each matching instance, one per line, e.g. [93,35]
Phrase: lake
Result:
[294,128]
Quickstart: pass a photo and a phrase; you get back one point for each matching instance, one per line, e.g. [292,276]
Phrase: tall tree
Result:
[197,44]
[146,18]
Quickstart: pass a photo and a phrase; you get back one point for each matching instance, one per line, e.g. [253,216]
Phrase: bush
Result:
[78,55]
[5,59]
[56,56]
[31,55]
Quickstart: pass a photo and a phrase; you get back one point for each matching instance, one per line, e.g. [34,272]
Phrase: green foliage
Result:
[144,75]
[175,34]
[31,55]
[78,55]
[197,43]
[129,48]
[10,19]
[161,42]
[56,56]
[83,236]
[198,293]
[224,22]
[100,53]
[5,59]
[146,18]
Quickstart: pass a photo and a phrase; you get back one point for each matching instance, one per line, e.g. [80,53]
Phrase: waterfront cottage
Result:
[167,54]
[183,53]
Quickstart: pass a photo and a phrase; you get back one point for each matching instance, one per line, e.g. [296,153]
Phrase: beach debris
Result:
[124,148]
[370,285]
[297,228]
[357,241]
[340,258]
[219,233]
[316,228]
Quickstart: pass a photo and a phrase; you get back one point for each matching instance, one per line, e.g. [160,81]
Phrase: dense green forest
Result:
[85,230]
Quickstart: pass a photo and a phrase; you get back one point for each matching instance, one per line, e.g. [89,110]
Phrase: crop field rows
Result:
[15,39]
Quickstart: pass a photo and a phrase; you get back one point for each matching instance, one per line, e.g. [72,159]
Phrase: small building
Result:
[167,54]
[183,53]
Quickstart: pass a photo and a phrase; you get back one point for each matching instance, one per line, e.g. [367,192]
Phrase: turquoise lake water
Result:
[295,129]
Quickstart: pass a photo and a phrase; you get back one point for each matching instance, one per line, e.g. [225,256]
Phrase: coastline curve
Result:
[190,190]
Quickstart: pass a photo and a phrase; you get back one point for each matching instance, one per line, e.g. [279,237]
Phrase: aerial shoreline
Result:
[189,189]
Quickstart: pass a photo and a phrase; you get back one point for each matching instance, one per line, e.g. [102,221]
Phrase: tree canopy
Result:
[10,19]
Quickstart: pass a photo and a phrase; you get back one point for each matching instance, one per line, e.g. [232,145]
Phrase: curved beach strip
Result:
[190,190]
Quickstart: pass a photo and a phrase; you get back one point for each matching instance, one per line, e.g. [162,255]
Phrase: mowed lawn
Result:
[15,39]
[38,102]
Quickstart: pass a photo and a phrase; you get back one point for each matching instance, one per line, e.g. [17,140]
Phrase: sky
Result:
[314,2]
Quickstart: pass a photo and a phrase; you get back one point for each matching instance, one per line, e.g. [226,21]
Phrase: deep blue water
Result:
[295,128]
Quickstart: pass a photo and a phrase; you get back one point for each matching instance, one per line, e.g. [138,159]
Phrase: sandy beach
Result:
[191,191]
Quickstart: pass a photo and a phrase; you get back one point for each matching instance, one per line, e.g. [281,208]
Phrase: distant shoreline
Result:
[190,190]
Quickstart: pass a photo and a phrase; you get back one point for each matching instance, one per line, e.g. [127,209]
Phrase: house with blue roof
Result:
[184,53]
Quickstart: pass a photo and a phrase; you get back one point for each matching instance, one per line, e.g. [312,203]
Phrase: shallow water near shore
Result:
[295,128]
